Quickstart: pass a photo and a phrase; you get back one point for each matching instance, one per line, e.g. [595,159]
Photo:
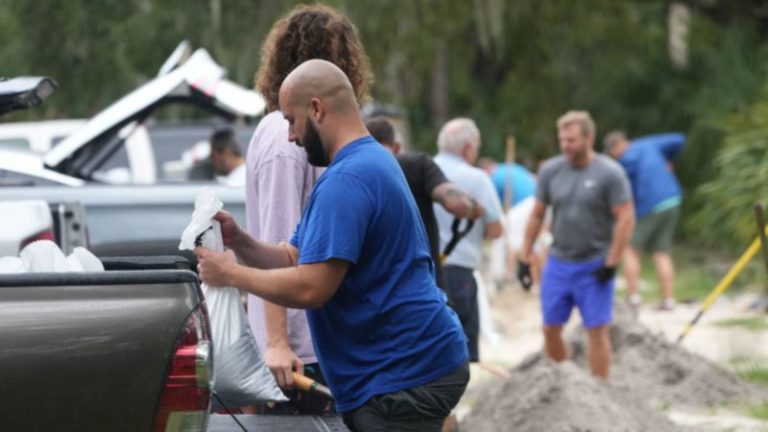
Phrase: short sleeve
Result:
[542,186]
[433,175]
[619,190]
[490,201]
[336,221]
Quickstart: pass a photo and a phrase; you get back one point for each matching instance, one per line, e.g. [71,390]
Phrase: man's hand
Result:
[215,268]
[524,275]
[604,274]
[282,361]
[230,231]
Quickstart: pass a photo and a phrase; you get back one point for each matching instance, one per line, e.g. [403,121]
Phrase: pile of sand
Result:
[648,373]
[663,372]
[549,397]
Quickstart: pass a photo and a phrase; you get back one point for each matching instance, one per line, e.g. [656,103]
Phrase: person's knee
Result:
[599,336]
[553,332]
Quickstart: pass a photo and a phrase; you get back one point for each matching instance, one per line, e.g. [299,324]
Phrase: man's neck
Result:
[353,129]
[585,160]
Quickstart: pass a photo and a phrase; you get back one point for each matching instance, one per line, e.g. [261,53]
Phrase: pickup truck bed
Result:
[90,351]
[267,423]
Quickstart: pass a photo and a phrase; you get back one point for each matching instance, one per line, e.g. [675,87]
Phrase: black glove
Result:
[604,274]
[524,275]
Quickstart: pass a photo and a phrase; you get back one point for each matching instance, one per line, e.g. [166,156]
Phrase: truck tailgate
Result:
[89,351]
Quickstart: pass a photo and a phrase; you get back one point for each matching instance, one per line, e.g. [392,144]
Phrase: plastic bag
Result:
[44,256]
[240,375]
[11,265]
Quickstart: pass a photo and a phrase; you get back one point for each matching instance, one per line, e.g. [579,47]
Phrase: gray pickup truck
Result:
[128,349]
[124,350]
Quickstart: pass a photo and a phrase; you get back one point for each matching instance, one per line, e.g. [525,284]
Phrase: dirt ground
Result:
[704,396]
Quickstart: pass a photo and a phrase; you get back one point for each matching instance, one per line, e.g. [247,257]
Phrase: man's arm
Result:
[624,215]
[532,230]
[251,252]
[306,286]
[456,201]
[494,230]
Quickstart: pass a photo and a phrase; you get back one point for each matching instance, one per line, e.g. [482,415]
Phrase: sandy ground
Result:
[517,321]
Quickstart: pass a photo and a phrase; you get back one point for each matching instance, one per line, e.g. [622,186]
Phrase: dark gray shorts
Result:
[654,232]
[418,409]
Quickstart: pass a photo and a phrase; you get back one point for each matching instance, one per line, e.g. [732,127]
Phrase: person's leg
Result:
[461,288]
[632,269]
[554,345]
[665,273]
[599,351]
[595,302]
[662,244]
[556,306]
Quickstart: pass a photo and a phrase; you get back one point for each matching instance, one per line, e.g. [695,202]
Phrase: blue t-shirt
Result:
[522,180]
[646,162]
[388,327]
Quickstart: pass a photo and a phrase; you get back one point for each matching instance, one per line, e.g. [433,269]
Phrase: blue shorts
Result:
[565,284]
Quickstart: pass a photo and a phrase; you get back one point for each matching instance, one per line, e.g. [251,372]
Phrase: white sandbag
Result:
[44,256]
[82,259]
[11,265]
[240,375]
[487,329]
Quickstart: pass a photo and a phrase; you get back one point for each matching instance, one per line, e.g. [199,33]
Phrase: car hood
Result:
[199,79]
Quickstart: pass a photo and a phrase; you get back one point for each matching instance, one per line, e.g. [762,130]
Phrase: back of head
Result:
[223,140]
[580,118]
[487,164]
[381,130]
[456,134]
[613,139]
[312,32]
[322,80]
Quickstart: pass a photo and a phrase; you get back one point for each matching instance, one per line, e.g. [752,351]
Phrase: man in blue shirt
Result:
[657,193]
[521,181]
[391,350]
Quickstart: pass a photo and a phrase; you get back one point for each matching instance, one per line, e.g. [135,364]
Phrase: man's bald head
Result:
[322,80]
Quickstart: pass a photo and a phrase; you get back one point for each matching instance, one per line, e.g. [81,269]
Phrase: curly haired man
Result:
[279,181]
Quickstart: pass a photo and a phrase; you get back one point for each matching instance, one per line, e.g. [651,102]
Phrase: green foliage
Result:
[512,66]
[740,179]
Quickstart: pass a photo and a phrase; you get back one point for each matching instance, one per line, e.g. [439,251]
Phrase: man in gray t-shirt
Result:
[592,221]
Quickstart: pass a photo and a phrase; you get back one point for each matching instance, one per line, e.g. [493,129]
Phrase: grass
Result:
[756,323]
[751,370]
[758,411]
[697,273]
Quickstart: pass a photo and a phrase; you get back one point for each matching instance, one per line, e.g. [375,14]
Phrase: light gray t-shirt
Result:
[582,200]
[468,252]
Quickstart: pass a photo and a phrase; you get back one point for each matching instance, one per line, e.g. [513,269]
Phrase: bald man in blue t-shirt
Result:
[359,262]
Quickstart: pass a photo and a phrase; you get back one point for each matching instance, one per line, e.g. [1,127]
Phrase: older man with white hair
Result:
[459,144]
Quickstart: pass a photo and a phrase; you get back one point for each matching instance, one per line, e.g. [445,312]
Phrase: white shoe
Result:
[634,300]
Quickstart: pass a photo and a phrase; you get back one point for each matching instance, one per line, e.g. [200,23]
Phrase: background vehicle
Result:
[36,137]
[127,172]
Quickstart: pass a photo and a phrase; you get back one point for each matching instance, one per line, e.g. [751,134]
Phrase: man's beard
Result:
[313,146]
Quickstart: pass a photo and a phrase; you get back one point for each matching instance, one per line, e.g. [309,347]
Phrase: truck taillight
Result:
[186,396]
[43,235]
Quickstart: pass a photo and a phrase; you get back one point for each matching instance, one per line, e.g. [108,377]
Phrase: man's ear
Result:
[397,148]
[316,109]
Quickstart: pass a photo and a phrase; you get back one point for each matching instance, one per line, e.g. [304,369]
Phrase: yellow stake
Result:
[724,284]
